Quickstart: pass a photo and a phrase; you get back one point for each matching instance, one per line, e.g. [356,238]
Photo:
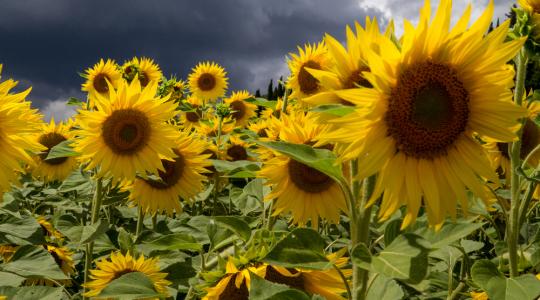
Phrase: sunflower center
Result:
[427,110]
[100,83]
[194,116]
[172,174]
[126,131]
[237,152]
[231,292]
[262,133]
[206,82]
[239,108]
[143,78]
[119,273]
[308,83]
[274,276]
[308,179]
[50,140]
[356,79]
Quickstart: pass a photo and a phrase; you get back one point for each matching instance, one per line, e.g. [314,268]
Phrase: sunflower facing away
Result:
[64,258]
[128,133]
[208,81]
[242,111]
[59,168]
[297,188]
[426,104]
[182,179]
[98,76]
[118,265]
[235,285]
[145,69]
[18,124]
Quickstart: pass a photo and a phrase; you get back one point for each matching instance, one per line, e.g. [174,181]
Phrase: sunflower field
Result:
[394,166]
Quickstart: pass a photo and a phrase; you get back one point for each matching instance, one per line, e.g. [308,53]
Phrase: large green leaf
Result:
[134,285]
[236,225]
[322,160]
[125,241]
[405,259]
[33,261]
[265,290]
[302,247]
[25,230]
[62,149]
[39,292]
[10,279]
[334,109]
[175,241]
[80,234]
[449,233]
[382,287]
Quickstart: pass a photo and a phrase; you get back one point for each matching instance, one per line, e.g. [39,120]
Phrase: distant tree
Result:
[270,91]
[257,94]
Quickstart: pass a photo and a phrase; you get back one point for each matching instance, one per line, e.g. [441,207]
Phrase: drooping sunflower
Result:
[98,76]
[118,265]
[208,81]
[145,69]
[298,188]
[235,285]
[48,229]
[427,103]
[18,125]
[64,258]
[128,133]
[182,179]
[242,111]
[59,168]
[533,8]
[302,83]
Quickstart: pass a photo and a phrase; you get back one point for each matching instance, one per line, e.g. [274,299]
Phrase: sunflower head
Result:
[64,259]
[48,228]
[101,77]
[209,127]
[208,81]
[241,110]
[237,149]
[173,87]
[191,118]
[145,69]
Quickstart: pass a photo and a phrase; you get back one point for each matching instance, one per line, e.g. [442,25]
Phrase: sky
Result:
[46,44]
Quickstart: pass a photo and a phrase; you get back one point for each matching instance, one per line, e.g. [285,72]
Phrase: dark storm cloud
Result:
[45,43]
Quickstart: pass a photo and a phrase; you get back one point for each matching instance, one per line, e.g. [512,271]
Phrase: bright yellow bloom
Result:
[479,296]
[237,149]
[145,69]
[100,76]
[242,111]
[49,229]
[208,81]
[236,283]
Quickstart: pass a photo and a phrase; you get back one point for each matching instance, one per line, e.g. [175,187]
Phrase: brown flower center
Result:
[172,174]
[239,108]
[126,131]
[231,292]
[296,282]
[308,84]
[143,78]
[262,133]
[427,110]
[50,140]
[194,116]
[237,152]
[308,179]
[206,82]
[100,83]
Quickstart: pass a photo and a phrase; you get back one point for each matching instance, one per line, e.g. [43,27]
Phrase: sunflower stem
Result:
[513,226]
[96,206]
[285,101]
[140,222]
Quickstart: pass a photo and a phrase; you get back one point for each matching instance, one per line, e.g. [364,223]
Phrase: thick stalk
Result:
[96,206]
[140,222]
[515,162]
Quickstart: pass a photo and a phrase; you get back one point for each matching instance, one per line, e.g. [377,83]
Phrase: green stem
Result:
[140,222]
[154,221]
[513,218]
[96,206]
[216,176]
[285,101]
[345,281]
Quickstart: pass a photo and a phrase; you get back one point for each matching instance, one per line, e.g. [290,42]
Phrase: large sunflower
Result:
[183,178]
[128,133]
[302,83]
[242,110]
[119,265]
[98,76]
[208,81]
[145,69]
[428,102]
[57,168]
[297,188]
[18,125]
[235,285]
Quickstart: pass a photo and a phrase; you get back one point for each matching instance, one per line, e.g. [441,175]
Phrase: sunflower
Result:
[183,178]
[209,127]
[190,119]
[98,76]
[533,8]
[427,103]
[145,69]
[18,123]
[302,83]
[48,228]
[57,168]
[297,188]
[242,111]
[120,264]
[479,296]
[64,258]
[208,81]
[235,285]
[7,251]
[128,134]
[237,149]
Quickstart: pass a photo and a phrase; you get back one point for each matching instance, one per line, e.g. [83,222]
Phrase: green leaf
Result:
[266,290]
[62,149]
[262,102]
[175,241]
[25,230]
[125,241]
[79,234]
[91,232]
[524,287]
[449,233]
[236,225]
[483,271]
[10,279]
[405,259]
[74,102]
[32,261]
[334,109]
[382,287]
[322,160]
[39,292]
[303,247]
[243,167]
[134,285]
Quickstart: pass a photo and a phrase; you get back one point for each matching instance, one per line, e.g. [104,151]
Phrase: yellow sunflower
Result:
[119,265]
[209,127]
[18,123]
[98,76]
[128,134]
[236,283]
[59,168]
[48,228]
[242,111]
[428,101]
[533,8]
[145,69]
[237,149]
[302,83]
[182,179]
[297,188]
[191,119]
[64,258]
[7,251]
[208,81]
[479,296]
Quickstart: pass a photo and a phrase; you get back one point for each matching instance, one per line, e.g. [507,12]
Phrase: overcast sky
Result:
[45,44]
